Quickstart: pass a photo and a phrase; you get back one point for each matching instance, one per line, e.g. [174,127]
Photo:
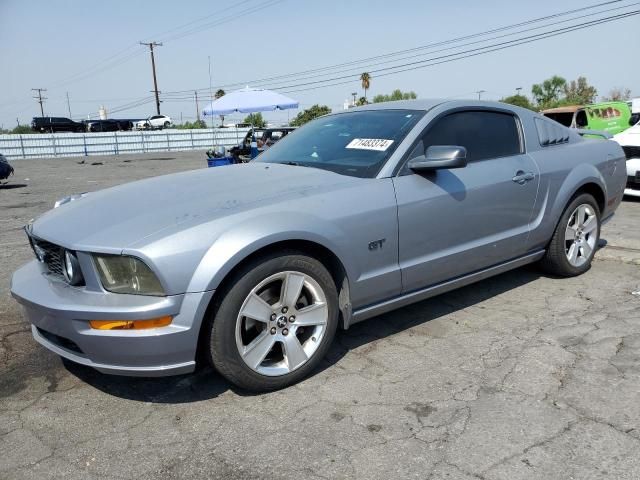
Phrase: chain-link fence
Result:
[115,143]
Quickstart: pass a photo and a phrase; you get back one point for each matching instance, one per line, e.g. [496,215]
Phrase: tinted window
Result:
[354,143]
[483,134]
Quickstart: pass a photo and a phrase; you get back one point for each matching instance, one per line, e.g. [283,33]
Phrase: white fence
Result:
[115,143]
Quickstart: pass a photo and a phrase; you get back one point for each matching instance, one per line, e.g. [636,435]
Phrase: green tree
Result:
[22,129]
[618,94]
[397,94]
[365,79]
[579,92]
[309,114]
[519,101]
[548,93]
[362,101]
[255,119]
[220,93]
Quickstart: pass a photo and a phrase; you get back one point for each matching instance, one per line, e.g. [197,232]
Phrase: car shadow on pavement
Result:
[11,186]
[205,383]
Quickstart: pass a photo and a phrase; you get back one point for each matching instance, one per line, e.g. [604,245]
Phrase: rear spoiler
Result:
[598,133]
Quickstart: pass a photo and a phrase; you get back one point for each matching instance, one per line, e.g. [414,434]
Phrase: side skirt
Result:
[422,294]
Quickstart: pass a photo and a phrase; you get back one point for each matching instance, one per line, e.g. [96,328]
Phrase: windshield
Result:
[355,143]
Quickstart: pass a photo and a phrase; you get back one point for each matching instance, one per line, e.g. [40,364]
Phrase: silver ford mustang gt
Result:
[255,266]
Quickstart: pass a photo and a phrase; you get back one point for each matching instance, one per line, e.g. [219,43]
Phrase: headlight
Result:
[120,274]
[71,269]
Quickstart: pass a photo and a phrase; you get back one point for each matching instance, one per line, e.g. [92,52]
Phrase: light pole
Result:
[480,92]
[518,91]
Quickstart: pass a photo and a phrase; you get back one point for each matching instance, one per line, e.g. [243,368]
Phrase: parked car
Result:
[154,122]
[630,142]
[254,266]
[110,125]
[265,137]
[610,117]
[55,124]
[6,170]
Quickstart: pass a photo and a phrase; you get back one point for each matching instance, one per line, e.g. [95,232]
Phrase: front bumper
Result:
[633,177]
[60,316]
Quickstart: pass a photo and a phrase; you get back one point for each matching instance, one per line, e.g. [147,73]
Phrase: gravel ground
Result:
[521,376]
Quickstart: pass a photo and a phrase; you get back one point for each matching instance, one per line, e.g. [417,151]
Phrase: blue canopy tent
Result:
[249,100]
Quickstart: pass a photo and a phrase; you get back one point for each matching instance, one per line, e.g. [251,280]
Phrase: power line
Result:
[261,81]
[487,49]
[133,50]
[450,57]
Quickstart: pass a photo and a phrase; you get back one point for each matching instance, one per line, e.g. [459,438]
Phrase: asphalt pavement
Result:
[521,376]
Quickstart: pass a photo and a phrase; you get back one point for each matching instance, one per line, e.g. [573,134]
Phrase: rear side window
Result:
[484,134]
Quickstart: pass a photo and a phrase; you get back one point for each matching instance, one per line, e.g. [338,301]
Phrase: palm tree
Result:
[365,78]
[220,93]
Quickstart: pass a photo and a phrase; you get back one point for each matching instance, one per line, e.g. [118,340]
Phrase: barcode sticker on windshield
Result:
[378,144]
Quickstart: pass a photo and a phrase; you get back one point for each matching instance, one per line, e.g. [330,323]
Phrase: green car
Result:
[611,117]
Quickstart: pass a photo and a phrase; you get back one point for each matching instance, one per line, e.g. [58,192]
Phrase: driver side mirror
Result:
[439,157]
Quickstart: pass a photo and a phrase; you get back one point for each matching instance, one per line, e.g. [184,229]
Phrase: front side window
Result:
[355,143]
[484,134]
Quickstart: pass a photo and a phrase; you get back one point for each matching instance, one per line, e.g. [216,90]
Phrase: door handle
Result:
[523,177]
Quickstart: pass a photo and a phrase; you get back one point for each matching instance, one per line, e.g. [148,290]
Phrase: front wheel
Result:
[275,323]
[575,239]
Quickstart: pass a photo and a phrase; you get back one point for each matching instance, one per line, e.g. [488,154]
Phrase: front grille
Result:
[631,152]
[49,254]
[633,182]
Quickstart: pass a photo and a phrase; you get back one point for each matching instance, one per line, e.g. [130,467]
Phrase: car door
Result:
[456,221]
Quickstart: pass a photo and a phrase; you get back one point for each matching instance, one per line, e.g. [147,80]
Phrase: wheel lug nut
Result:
[285,331]
[273,330]
[285,309]
[292,318]
[273,317]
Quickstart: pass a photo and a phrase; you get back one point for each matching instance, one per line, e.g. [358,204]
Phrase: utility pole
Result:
[40,99]
[153,67]
[68,105]
[480,92]
[195,92]
[210,88]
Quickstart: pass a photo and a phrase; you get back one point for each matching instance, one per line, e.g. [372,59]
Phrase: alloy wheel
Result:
[281,323]
[581,235]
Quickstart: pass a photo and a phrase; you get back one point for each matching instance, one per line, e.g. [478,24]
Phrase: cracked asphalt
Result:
[521,376]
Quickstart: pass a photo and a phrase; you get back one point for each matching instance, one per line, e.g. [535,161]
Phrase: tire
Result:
[566,257]
[166,124]
[235,341]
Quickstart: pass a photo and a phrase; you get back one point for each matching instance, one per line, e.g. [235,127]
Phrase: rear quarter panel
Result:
[564,169]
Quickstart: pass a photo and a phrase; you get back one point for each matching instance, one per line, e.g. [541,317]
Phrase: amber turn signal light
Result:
[130,324]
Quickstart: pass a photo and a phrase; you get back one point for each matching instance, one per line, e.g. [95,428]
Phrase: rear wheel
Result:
[166,124]
[575,239]
[275,323]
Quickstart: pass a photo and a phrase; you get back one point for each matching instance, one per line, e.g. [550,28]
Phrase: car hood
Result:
[112,219]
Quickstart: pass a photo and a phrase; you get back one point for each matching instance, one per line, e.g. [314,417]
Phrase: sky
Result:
[89,50]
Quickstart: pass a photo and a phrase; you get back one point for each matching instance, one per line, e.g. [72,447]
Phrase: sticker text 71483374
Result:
[377,144]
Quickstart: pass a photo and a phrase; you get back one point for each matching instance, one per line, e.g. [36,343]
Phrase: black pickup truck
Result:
[56,124]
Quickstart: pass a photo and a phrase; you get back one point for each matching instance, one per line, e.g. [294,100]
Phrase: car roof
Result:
[428,104]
